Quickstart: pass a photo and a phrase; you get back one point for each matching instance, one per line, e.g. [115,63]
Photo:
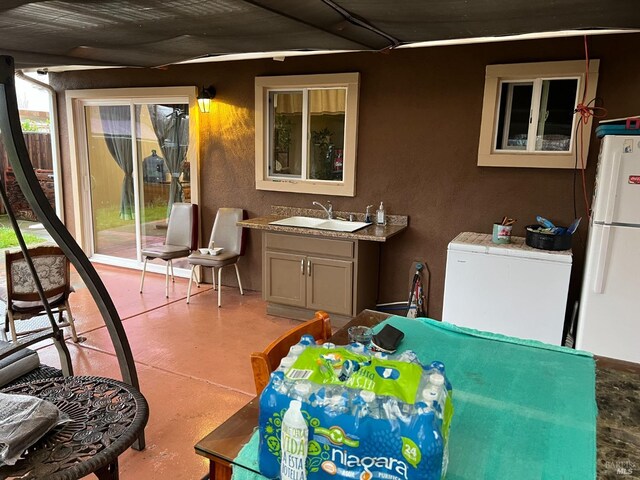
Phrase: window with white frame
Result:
[306,133]
[528,116]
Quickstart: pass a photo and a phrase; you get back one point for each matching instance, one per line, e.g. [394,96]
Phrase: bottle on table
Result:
[294,441]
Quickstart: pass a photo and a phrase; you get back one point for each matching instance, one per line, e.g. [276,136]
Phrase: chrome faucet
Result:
[328,211]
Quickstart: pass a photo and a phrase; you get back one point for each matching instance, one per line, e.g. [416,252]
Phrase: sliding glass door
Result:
[138,164]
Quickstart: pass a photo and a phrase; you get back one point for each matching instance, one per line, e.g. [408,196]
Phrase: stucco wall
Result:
[417,144]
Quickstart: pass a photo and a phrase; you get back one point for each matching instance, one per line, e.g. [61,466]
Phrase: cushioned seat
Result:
[165,252]
[226,234]
[181,240]
[24,307]
[206,260]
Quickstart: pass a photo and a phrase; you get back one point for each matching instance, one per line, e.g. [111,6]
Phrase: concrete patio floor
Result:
[192,361]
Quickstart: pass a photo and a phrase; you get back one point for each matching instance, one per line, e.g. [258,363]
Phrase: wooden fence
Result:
[39,147]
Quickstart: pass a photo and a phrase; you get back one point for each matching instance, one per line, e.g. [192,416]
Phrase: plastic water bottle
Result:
[285,364]
[369,404]
[307,340]
[318,398]
[357,347]
[301,391]
[296,350]
[328,345]
[433,393]
[409,356]
[392,411]
[277,382]
[421,408]
[439,366]
[294,441]
[337,402]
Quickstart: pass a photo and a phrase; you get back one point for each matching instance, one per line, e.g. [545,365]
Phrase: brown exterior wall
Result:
[417,144]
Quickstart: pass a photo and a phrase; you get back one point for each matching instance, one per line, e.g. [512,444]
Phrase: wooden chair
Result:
[21,296]
[265,362]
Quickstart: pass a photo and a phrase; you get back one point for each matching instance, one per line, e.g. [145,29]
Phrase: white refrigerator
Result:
[609,317]
[511,289]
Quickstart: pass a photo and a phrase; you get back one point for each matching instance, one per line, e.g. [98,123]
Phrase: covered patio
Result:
[420,115]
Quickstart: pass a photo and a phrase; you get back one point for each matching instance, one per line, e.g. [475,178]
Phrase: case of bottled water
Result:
[368,415]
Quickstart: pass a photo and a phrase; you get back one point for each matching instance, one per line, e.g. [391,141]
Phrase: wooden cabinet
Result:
[302,274]
[286,283]
[330,285]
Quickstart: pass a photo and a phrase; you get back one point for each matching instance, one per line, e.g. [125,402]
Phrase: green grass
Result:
[8,238]
[106,218]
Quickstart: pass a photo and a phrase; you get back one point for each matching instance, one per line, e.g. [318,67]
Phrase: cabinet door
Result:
[285,278]
[330,285]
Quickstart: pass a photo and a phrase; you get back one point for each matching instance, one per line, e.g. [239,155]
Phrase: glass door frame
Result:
[77,100]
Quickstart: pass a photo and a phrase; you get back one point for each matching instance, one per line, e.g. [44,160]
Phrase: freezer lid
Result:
[617,191]
[481,243]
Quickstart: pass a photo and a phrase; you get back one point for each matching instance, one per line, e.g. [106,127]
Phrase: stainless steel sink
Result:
[321,224]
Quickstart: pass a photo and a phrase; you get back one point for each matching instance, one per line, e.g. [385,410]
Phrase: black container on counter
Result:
[547,241]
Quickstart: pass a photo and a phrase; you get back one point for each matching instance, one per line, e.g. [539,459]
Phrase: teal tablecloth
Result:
[523,409]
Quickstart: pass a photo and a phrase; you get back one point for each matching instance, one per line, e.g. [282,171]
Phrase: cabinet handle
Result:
[302,267]
[309,267]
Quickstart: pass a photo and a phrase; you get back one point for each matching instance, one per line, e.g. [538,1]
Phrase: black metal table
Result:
[107,416]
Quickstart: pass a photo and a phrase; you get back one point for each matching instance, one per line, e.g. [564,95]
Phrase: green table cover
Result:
[523,409]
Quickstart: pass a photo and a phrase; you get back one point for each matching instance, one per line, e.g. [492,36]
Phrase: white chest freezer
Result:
[511,289]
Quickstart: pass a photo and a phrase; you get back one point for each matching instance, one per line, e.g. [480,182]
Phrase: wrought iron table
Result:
[107,416]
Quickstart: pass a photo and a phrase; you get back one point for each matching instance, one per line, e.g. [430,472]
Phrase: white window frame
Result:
[76,100]
[488,155]
[282,183]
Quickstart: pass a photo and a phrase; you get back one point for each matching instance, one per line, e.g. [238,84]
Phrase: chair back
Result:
[265,362]
[226,233]
[182,228]
[52,267]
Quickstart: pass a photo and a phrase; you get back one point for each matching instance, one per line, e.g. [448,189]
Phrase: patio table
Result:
[615,381]
[107,416]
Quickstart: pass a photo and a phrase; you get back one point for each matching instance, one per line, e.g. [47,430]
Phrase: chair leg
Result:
[239,281]
[213,274]
[72,325]
[193,267]
[219,286]
[144,269]
[171,265]
[195,273]
[12,327]
[166,280]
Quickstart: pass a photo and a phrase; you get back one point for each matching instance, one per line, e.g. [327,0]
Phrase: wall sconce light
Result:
[204,98]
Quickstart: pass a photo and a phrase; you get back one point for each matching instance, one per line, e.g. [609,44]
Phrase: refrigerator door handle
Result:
[613,188]
[601,260]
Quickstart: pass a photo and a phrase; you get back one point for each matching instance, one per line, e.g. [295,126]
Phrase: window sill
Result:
[341,189]
[528,160]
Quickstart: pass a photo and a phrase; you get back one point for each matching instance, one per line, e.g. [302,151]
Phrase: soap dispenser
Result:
[381,218]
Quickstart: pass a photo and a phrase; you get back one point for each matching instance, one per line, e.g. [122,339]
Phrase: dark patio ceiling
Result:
[156,32]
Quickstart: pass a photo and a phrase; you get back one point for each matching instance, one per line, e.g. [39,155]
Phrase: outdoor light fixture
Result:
[205,97]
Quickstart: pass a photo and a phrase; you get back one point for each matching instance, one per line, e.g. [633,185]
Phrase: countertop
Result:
[374,233]
[482,243]
[618,434]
